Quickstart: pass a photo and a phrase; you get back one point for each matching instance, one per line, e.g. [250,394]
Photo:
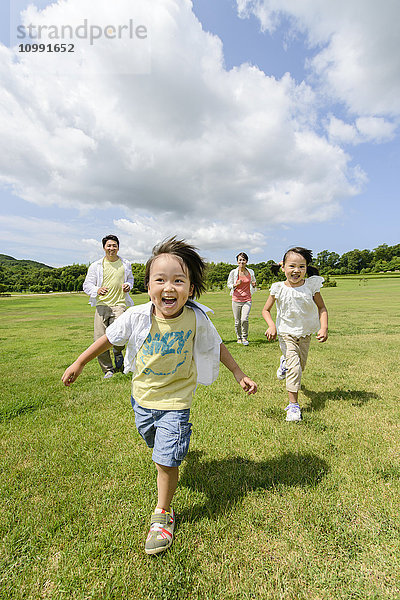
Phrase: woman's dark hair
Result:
[246,258]
[306,254]
[189,258]
[110,237]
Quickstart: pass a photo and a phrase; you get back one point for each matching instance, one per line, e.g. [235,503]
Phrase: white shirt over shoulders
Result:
[297,313]
[133,326]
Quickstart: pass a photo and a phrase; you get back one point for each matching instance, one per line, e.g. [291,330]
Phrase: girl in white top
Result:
[300,313]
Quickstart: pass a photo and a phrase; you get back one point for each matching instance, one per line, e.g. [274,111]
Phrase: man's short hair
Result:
[110,237]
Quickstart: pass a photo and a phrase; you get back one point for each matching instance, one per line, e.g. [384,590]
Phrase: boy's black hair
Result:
[110,237]
[189,258]
[244,256]
[306,254]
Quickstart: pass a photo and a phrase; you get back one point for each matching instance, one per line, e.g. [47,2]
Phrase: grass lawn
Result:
[266,509]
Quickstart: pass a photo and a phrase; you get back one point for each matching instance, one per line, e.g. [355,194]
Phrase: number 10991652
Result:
[46,48]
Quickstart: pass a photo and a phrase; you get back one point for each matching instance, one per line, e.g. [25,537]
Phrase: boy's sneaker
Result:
[239,341]
[282,370]
[293,412]
[161,531]
[245,342]
[108,375]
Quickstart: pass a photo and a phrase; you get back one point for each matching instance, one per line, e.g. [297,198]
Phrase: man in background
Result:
[107,283]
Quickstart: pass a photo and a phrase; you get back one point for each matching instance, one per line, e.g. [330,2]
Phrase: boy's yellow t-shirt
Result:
[113,279]
[165,374]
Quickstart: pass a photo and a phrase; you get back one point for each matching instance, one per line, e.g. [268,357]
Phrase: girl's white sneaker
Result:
[293,412]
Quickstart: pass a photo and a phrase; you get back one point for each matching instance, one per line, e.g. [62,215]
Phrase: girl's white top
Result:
[297,313]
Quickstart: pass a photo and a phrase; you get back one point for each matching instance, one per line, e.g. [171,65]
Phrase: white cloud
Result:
[138,236]
[365,129]
[375,129]
[342,132]
[357,59]
[33,237]
[52,233]
[191,147]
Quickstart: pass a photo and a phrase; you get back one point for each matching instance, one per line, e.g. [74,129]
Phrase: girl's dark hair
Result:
[189,258]
[306,254]
[244,256]
[110,237]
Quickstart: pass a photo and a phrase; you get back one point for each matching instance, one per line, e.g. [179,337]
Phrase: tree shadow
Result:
[319,399]
[227,481]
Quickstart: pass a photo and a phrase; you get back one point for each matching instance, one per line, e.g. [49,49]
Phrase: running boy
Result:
[171,347]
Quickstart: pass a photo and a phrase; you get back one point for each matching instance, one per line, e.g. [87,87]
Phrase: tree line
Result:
[28,276]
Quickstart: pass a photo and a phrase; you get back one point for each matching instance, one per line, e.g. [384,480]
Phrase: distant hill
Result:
[9,261]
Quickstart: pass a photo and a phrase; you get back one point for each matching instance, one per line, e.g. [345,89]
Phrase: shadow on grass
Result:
[226,481]
[255,343]
[319,399]
[7,413]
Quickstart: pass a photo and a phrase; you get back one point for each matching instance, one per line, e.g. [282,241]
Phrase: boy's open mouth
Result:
[169,301]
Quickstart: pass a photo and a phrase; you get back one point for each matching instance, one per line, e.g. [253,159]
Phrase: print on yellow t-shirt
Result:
[165,376]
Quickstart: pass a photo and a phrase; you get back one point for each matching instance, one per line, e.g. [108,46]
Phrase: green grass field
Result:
[266,509]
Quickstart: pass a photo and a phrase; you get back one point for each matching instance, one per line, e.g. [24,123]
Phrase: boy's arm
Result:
[97,348]
[322,334]
[266,313]
[245,382]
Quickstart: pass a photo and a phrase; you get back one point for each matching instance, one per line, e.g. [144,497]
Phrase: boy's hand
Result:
[271,333]
[322,335]
[245,382]
[248,385]
[74,370]
[71,374]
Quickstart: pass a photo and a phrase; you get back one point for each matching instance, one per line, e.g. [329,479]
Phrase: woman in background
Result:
[241,282]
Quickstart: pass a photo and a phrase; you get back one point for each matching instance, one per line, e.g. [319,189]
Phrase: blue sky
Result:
[234,125]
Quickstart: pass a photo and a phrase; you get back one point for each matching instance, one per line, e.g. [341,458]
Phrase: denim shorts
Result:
[166,431]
